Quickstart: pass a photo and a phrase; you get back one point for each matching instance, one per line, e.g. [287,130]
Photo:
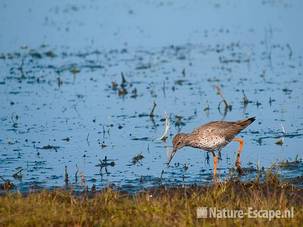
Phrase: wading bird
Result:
[211,137]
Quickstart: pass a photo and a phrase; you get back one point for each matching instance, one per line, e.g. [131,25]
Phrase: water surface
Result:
[64,101]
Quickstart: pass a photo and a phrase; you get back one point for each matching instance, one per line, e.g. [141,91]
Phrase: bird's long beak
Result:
[172,154]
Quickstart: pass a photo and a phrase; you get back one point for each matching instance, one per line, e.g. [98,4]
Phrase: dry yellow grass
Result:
[157,207]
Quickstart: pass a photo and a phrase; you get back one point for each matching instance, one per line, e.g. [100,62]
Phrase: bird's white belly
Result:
[212,143]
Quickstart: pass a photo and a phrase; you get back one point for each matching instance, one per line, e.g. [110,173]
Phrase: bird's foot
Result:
[239,169]
[238,163]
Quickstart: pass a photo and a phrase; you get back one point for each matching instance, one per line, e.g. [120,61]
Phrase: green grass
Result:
[156,207]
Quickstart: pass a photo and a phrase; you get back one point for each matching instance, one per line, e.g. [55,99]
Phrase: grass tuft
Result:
[154,207]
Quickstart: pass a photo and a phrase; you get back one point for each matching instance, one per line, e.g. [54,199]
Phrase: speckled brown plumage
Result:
[212,136]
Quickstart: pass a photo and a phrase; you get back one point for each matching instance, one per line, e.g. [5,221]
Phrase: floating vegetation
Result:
[123,80]
[35,54]
[18,174]
[67,139]
[114,85]
[279,142]
[50,54]
[134,93]
[245,99]
[103,145]
[178,121]
[122,91]
[289,165]
[103,164]
[137,159]
[152,112]
[74,69]
[240,59]
[49,147]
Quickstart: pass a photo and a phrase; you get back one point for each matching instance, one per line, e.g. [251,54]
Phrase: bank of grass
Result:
[156,207]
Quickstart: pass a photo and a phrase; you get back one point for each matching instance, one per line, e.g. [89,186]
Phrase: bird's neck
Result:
[190,140]
[186,139]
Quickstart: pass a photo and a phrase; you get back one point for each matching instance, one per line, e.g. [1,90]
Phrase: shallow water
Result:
[64,103]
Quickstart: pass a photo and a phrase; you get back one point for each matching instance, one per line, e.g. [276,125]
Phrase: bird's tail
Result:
[244,123]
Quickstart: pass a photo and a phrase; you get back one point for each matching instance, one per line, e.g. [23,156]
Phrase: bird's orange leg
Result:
[238,163]
[215,163]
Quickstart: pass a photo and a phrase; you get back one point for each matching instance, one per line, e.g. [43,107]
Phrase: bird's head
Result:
[179,141]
